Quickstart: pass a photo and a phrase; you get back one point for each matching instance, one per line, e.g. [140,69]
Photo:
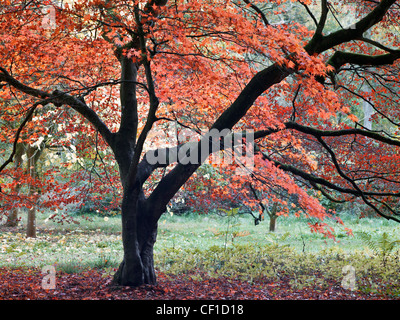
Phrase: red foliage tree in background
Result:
[122,71]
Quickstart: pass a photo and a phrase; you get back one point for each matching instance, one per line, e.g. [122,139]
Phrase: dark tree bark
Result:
[137,266]
[139,230]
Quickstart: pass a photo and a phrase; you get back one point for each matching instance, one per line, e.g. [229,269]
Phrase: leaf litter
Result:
[93,284]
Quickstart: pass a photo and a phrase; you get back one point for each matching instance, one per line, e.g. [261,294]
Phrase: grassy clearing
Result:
[204,232]
[97,241]
[93,243]
[231,246]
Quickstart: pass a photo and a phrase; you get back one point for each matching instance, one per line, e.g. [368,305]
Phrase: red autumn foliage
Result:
[26,284]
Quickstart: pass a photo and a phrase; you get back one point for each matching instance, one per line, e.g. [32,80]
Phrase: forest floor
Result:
[26,284]
[203,258]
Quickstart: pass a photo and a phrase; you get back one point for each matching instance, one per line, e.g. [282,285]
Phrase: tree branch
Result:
[325,194]
[59,98]
[361,193]
[259,12]
[324,16]
[338,133]
[320,44]
[154,102]
[340,58]
[6,77]
[378,45]
[27,118]
[309,13]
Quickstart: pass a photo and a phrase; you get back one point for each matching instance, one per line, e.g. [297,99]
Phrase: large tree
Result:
[129,68]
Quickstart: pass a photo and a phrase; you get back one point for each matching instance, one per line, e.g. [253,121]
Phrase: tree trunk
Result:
[368,109]
[272,223]
[12,218]
[272,216]
[139,229]
[31,223]
[33,154]
[137,266]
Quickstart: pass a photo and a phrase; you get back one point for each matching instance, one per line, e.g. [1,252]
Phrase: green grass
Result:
[71,247]
[96,243]
[205,231]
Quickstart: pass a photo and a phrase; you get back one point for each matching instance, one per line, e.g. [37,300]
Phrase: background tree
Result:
[210,65]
